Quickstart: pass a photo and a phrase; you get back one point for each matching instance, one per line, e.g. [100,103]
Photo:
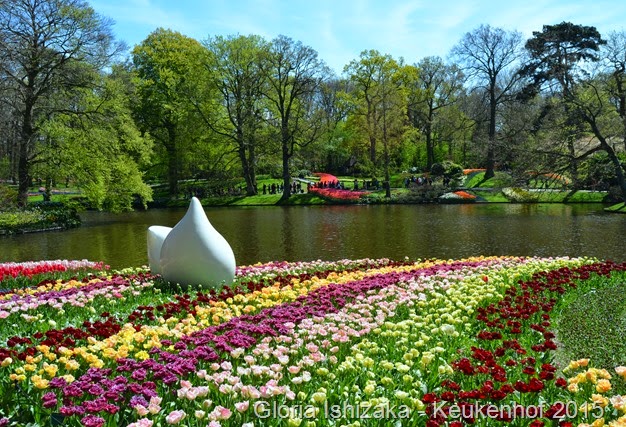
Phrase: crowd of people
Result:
[273,188]
[419,180]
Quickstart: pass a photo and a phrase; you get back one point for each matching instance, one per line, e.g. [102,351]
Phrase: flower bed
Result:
[457,197]
[364,342]
[337,194]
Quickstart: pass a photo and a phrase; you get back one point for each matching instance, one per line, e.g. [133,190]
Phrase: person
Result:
[264,188]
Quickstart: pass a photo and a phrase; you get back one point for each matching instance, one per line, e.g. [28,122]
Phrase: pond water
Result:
[260,234]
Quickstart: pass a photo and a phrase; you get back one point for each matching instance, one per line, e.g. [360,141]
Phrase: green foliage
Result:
[557,52]
[170,103]
[303,173]
[39,216]
[446,168]
[103,155]
[116,186]
[599,172]
[16,220]
[8,197]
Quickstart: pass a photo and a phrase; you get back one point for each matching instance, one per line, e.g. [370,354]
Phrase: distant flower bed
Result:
[470,171]
[326,177]
[336,194]
[457,196]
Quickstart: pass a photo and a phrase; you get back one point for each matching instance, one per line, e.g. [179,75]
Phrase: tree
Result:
[41,43]
[558,54]
[333,152]
[379,100]
[98,146]
[614,56]
[235,67]
[362,74]
[489,57]
[438,86]
[294,75]
[169,66]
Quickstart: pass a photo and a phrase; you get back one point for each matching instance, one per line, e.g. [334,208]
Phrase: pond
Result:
[260,234]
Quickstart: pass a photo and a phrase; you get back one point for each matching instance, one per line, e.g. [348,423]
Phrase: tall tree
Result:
[614,57]
[97,145]
[41,43]
[438,86]
[362,74]
[379,98]
[235,66]
[169,66]
[332,153]
[558,55]
[294,75]
[489,57]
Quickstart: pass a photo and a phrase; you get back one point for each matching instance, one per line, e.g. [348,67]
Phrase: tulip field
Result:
[370,342]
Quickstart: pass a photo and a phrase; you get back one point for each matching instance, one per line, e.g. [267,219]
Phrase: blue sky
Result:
[340,29]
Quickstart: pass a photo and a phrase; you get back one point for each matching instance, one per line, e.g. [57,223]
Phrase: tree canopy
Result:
[220,113]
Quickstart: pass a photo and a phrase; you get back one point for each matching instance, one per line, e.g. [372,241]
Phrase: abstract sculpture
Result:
[191,253]
[156,237]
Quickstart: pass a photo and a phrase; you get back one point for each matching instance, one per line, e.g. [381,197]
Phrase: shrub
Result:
[516,194]
[8,197]
[40,216]
[303,173]
[446,168]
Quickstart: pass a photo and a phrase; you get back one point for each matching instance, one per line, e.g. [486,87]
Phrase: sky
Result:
[339,30]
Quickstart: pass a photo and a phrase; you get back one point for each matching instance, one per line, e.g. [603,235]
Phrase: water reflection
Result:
[333,232]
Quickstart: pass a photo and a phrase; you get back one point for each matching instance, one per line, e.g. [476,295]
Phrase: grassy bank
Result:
[618,208]
[39,216]
[596,333]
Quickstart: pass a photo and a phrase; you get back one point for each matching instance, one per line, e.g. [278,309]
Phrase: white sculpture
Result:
[156,236]
[191,253]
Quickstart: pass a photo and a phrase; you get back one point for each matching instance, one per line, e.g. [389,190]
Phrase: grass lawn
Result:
[476,179]
[579,196]
[490,196]
[591,321]
[620,207]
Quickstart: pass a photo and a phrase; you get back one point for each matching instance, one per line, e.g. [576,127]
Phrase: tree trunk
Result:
[246,156]
[286,175]
[172,161]
[370,130]
[490,166]
[372,149]
[573,167]
[387,177]
[23,176]
[23,164]
[430,150]
[619,171]
[47,194]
